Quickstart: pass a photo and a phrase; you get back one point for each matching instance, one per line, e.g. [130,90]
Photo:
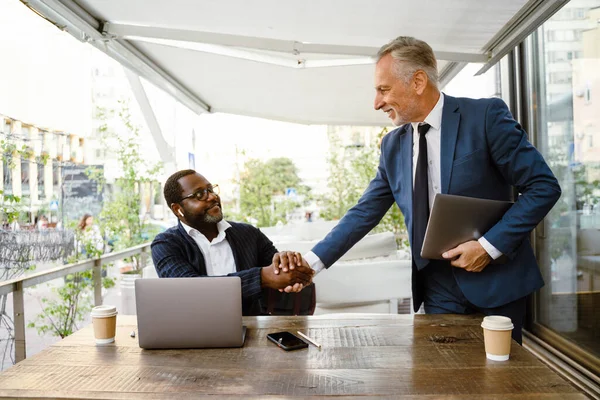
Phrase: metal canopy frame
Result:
[531,17]
[123,31]
[115,39]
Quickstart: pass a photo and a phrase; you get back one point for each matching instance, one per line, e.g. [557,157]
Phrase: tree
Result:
[9,208]
[19,249]
[263,187]
[121,216]
[120,219]
[342,181]
[73,300]
[350,171]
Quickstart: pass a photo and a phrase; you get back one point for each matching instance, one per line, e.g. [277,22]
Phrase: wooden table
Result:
[417,357]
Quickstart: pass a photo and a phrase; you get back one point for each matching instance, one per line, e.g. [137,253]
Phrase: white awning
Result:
[304,61]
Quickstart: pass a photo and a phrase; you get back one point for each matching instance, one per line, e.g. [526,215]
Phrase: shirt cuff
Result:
[314,261]
[491,250]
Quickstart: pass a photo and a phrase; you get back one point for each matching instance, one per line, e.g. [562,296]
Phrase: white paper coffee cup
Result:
[497,331]
[104,319]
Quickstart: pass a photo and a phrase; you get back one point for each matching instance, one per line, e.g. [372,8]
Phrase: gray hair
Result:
[415,54]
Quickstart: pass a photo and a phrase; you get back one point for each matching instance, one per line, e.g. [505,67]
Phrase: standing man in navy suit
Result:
[457,146]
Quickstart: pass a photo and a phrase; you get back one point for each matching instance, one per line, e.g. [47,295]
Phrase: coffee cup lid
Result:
[497,323]
[104,311]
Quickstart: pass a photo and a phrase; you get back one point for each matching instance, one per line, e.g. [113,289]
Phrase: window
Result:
[564,14]
[25,174]
[56,176]
[561,77]
[566,312]
[7,178]
[563,35]
[40,180]
[557,56]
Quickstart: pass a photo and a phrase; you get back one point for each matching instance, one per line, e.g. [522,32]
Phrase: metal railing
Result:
[16,286]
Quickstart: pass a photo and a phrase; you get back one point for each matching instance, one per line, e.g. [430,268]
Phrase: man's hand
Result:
[470,256]
[287,261]
[296,278]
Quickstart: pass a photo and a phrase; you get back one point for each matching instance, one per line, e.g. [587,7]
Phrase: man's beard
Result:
[213,219]
[206,218]
[407,113]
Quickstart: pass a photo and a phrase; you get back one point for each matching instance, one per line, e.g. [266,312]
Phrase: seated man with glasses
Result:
[203,244]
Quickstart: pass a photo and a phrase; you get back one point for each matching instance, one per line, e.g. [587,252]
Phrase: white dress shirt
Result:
[433,136]
[218,255]
[434,173]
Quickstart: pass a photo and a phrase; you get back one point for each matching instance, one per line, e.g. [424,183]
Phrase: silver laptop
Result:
[458,219]
[175,313]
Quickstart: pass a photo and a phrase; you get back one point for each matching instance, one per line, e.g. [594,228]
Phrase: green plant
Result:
[350,171]
[9,207]
[10,154]
[9,151]
[120,219]
[73,300]
[263,187]
[42,159]
[97,175]
[121,216]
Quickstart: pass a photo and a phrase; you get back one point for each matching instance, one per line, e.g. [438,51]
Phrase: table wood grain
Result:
[416,357]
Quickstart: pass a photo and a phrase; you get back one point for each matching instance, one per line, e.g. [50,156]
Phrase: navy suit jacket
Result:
[485,154]
[176,255]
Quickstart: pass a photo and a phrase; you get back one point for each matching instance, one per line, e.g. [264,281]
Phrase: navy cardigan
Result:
[176,255]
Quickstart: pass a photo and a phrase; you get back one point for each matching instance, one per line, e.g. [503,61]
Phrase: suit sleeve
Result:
[251,282]
[360,219]
[522,166]
[171,262]
[251,278]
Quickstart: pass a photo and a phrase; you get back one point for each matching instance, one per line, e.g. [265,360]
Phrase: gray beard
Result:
[213,219]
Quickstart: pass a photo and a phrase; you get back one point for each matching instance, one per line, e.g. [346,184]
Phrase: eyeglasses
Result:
[202,194]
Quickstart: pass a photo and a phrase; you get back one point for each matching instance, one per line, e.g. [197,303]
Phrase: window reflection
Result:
[569,116]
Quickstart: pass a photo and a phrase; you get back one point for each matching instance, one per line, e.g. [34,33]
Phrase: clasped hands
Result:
[288,272]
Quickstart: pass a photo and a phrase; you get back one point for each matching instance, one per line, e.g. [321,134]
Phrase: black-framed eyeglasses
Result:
[202,194]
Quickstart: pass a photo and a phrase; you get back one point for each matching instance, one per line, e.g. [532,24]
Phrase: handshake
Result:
[288,272]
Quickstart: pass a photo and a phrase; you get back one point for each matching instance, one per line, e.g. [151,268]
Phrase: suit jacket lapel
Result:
[449,135]
[406,146]
[186,236]
[196,249]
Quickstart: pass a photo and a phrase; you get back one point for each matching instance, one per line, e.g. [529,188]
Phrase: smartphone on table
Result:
[287,341]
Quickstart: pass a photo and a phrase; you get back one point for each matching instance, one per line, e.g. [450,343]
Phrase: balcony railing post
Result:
[19,318]
[16,286]
[97,274]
